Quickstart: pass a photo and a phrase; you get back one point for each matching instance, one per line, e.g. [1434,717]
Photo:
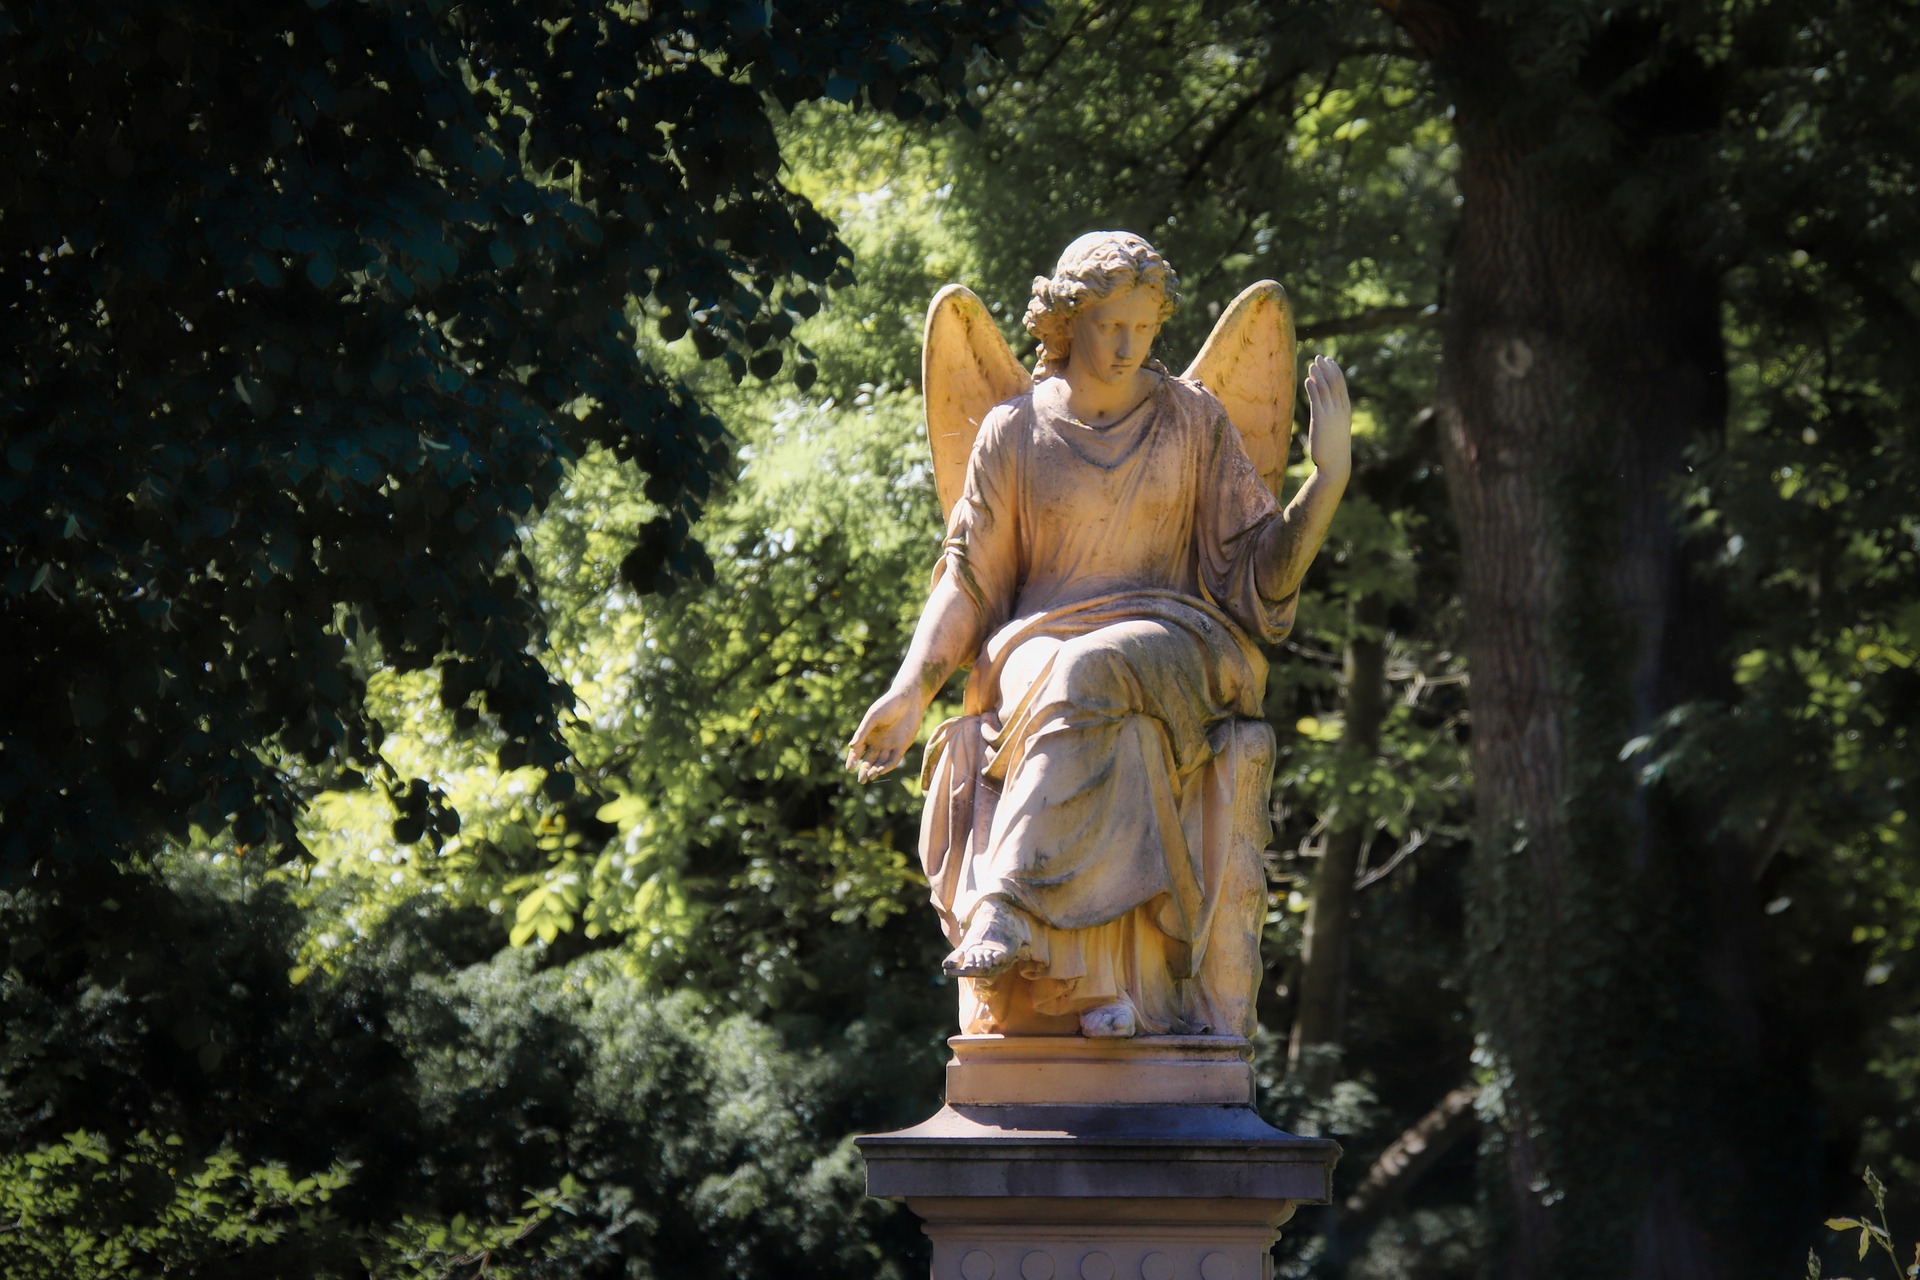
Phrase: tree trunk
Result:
[1611,941]
[1644,1126]
[1313,1052]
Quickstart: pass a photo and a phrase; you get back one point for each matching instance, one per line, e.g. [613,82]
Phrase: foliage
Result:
[81,1209]
[310,306]
[748,815]
[1872,1234]
[277,426]
[425,1108]
[735,855]
[1809,508]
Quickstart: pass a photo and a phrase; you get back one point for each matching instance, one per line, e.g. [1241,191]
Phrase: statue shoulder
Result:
[1006,421]
[1190,396]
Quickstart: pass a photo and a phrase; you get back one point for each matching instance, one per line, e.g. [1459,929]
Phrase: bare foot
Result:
[1113,1021]
[994,942]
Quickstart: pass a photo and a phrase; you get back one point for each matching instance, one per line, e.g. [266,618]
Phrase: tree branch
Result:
[1416,317]
[1407,849]
[1325,951]
[1406,1160]
[1040,69]
[1231,121]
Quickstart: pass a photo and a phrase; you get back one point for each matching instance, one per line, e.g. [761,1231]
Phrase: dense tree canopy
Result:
[1644,273]
[309,306]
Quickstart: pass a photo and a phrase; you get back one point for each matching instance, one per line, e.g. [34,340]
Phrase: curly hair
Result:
[1093,269]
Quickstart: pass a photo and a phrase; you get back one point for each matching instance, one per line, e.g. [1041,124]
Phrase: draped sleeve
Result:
[981,551]
[1234,506]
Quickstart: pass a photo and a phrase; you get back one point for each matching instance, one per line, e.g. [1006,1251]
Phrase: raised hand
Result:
[1289,543]
[886,732]
[1330,421]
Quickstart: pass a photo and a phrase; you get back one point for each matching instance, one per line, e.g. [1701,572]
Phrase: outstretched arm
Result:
[1288,544]
[948,634]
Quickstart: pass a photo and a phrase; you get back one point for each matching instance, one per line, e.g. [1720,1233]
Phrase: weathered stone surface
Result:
[1115,553]
[1017,1070]
[1156,1152]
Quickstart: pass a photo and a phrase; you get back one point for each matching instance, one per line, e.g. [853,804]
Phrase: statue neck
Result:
[1101,404]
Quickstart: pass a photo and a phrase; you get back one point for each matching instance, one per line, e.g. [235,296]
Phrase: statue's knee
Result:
[1088,672]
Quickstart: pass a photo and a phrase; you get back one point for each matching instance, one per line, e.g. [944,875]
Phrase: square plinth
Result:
[1077,1071]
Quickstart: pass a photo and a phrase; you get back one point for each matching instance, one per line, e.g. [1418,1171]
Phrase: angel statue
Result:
[1115,548]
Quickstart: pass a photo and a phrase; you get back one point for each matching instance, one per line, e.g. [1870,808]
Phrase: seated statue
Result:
[1114,555]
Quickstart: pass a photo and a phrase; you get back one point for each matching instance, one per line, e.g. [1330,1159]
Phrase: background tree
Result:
[310,305]
[1609,189]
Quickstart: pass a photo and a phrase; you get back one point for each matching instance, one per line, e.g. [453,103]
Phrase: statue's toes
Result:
[982,961]
[1109,1021]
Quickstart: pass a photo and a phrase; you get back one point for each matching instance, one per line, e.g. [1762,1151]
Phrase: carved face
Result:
[1113,337]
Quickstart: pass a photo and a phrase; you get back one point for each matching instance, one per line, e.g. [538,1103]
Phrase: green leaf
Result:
[266,270]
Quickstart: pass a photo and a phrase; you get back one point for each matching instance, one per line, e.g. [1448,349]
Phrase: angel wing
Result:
[1248,364]
[966,368]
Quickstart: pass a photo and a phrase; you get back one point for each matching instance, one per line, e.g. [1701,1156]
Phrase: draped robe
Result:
[1109,774]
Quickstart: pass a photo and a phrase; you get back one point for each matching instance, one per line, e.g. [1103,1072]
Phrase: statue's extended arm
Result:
[947,636]
[1288,544]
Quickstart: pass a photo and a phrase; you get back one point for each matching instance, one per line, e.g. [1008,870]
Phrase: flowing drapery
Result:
[1097,776]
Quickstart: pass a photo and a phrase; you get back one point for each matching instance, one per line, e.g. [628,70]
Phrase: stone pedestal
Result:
[1063,1158]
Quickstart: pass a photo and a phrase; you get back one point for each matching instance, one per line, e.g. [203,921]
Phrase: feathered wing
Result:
[1247,363]
[966,368]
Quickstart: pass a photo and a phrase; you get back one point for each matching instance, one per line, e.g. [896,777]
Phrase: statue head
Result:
[1093,269]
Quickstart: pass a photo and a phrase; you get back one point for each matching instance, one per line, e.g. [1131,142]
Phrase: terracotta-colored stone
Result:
[1115,549]
[1073,1070]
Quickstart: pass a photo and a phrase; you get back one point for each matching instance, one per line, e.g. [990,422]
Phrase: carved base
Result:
[1113,1239]
[1060,1158]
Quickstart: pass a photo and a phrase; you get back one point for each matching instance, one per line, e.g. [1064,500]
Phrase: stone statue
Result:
[1095,819]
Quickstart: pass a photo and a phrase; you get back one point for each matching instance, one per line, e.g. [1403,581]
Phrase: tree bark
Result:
[1611,939]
